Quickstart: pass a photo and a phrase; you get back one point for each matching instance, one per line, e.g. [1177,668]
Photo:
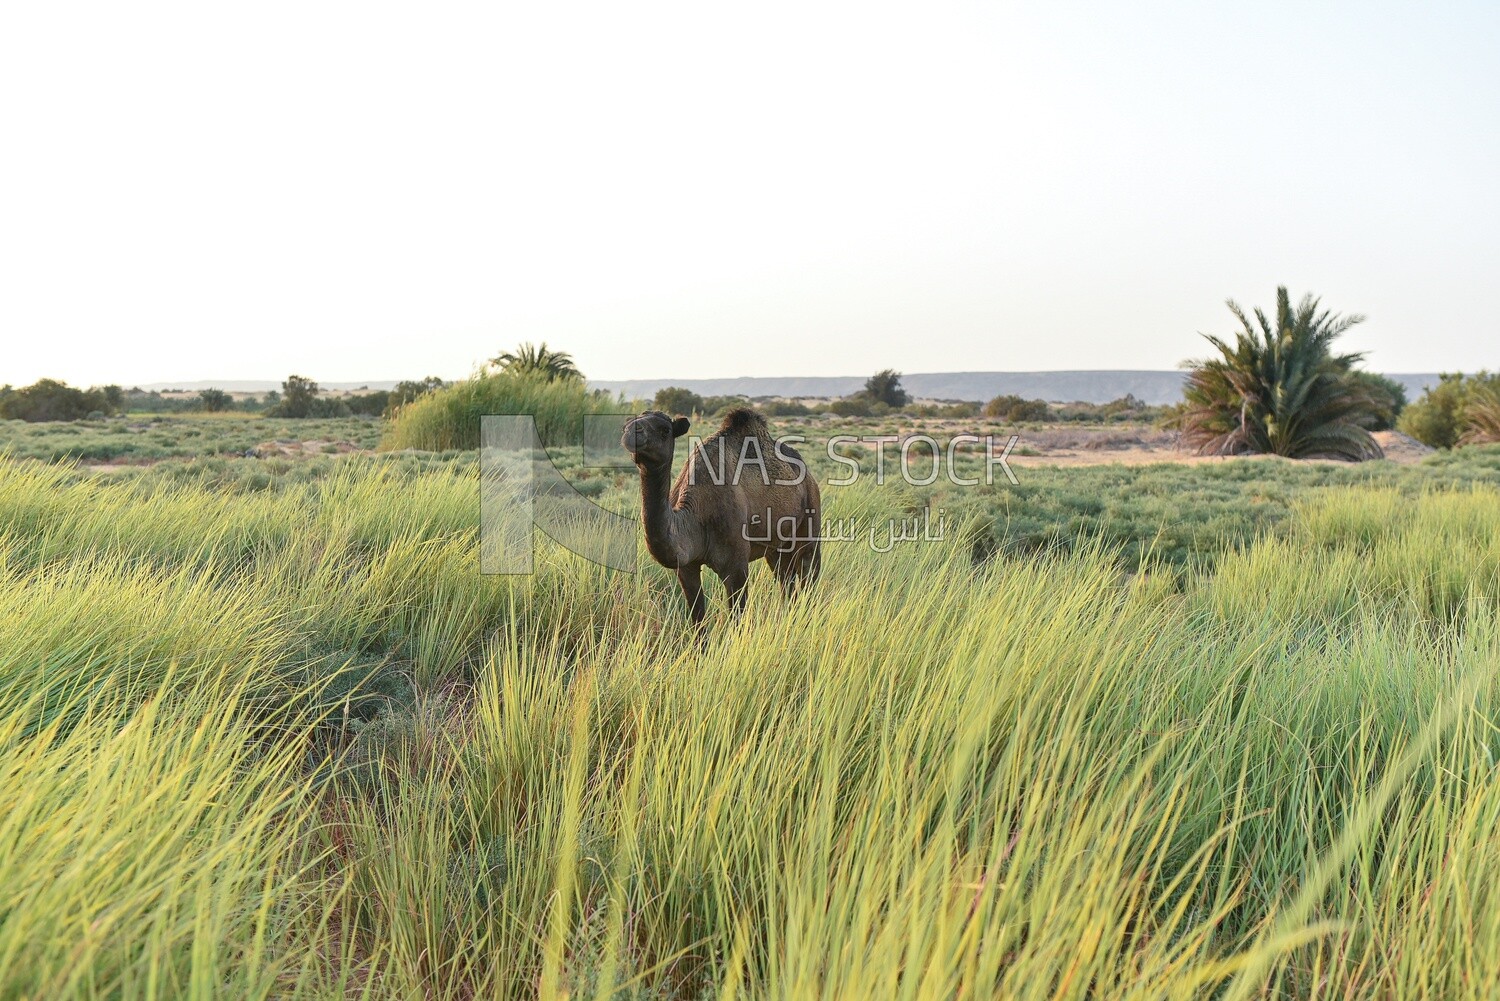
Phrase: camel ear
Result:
[680,427]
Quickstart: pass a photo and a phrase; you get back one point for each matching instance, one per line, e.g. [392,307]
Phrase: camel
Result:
[740,497]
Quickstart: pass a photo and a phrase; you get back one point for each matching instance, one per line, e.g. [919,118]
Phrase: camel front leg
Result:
[691,579]
[735,578]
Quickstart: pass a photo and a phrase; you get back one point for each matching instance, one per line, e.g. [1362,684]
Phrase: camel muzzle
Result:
[631,439]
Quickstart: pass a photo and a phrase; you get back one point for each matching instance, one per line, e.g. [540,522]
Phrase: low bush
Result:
[450,417]
[1013,409]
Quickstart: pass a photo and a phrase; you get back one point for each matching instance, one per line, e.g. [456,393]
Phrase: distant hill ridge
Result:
[1086,385]
[1089,386]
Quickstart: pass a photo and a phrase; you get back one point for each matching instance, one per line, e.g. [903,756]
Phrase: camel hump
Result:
[744,421]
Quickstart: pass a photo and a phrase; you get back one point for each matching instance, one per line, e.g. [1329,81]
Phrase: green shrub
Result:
[1013,409]
[140,401]
[946,411]
[783,408]
[858,405]
[371,404]
[449,418]
[1440,417]
[719,405]
[1127,409]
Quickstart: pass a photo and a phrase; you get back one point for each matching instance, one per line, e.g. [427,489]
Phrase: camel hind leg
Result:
[800,567]
[812,556]
[799,571]
[812,564]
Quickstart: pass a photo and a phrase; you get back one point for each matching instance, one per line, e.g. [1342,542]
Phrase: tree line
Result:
[1277,386]
[299,397]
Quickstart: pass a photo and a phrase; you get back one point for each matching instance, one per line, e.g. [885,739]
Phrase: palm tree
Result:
[554,365]
[1280,389]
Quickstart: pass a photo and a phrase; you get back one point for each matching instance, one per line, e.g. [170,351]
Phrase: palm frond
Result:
[538,358]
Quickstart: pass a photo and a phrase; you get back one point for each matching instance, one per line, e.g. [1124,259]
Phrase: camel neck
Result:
[665,535]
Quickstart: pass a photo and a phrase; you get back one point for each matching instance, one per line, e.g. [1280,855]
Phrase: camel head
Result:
[652,437]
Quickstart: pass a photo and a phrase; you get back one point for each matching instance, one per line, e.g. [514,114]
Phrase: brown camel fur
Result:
[740,497]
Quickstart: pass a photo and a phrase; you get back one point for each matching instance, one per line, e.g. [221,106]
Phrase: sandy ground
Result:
[1134,447]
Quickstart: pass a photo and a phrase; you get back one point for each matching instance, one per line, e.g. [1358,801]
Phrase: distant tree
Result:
[52,400]
[677,400]
[885,387]
[413,388]
[1122,406]
[213,401]
[114,398]
[329,407]
[1013,409]
[299,394]
[1441,416]
[1280,389]
[538,358]
[371,404]
[153,402]
[409,389]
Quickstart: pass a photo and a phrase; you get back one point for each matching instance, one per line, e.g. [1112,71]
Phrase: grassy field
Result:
[1165,732]
[145,438]
[1165,513]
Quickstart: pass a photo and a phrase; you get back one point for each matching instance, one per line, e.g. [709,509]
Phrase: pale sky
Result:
[370,191]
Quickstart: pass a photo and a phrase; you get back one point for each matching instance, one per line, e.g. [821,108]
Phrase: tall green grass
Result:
[292,744]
